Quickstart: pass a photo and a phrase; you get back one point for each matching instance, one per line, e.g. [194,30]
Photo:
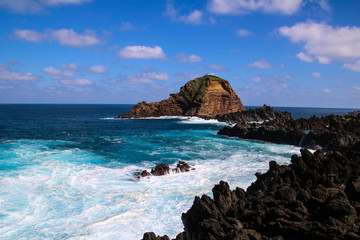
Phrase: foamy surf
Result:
[60,196]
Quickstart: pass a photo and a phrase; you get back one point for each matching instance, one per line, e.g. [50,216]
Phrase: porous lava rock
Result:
[206,96]
[317,196]
[328,133]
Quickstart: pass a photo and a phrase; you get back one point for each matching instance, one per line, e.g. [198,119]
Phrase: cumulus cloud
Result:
[150,77]
[71,38]
[243,32]
[9,75]
[98,69]
[76,82]
[286,7]
[260,64]
[194,17]
[142,52]
[212,67]
[59,74]
[317,74]
[34,6]
[192,58]
[63,36]
[324,42]
[305,57]
[29,35]
[353,66]
[327,90]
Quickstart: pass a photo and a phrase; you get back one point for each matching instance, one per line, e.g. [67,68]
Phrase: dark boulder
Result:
[163,169]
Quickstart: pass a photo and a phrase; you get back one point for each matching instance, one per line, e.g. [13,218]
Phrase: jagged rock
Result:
[206,96]
[287,202]
[315,197]
[163,169]
[262,114]
[329,133]
[152,236]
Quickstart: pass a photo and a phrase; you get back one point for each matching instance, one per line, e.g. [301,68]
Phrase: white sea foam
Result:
[182,119]
[64,196]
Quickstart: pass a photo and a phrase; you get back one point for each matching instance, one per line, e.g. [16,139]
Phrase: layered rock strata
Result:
[316,197]
[207,96]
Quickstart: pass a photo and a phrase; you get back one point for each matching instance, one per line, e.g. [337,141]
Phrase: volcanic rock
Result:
[315,197]
[163,169]
[328,133]
[206,96]
[262,114]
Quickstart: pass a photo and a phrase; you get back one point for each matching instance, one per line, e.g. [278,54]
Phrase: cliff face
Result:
[206,96]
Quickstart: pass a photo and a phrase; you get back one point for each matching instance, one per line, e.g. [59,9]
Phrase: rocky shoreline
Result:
[328,133]
[317,196]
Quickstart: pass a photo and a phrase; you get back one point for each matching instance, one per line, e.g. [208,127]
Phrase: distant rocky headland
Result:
[206,96]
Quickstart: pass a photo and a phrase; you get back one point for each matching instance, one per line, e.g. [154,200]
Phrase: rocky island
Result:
[206,96]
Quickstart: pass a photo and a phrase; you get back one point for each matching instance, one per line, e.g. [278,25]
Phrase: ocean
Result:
[68,171]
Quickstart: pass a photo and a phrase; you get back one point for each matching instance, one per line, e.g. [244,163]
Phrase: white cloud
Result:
[357,88]
[212,67]
[126,26]
[195,17]
[286,7]
[98,69]
[7,74]
[34,6]
[4,67]
[327,90]
[52,71]
[71,38]
[317,74]
[243,32]
[324,4]
[305,57]
[184,57]
[28,35]
[142,52]
[353,66]
[324,42]
[260,64]
[59,74]
[63,36]
[148,77]
[76,82]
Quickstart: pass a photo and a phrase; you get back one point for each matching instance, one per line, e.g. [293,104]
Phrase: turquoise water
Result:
[67,171]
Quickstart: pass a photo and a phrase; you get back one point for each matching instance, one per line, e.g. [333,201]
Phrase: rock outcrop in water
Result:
[206,96]
[316,197]
[330,132]
[163,169]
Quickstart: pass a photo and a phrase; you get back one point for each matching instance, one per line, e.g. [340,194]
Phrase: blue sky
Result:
[278,52]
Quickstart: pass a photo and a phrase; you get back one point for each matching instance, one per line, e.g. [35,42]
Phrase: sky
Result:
[299,53]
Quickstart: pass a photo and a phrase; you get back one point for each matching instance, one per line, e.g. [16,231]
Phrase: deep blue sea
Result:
[67,171]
